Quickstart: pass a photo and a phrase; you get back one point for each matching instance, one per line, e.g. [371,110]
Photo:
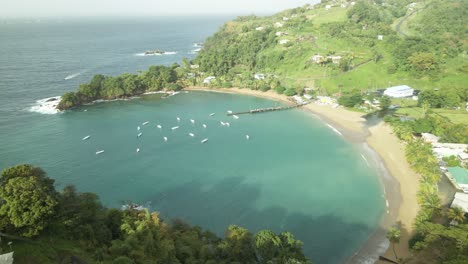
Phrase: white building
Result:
[430,138]
[460,200]
[399,91]
[259,28]
[317,58]
[380,37]
[334,59]
[259,76]
[284,41]
[208,79]
[327,7]
[279,34]
[285,18]
[278,24]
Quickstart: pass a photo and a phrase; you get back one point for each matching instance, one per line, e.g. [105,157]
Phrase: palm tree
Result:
[393,235]
[456,214]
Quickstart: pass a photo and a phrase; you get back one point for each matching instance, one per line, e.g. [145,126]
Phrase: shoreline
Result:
[383,149]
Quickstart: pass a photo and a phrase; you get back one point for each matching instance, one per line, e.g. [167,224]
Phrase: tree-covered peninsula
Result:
[51,226]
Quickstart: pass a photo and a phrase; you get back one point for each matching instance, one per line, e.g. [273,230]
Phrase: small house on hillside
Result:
[400,91]
[285,18]
[334,59]
[458,176]
[278,24]
[208,79]
[259,28]
[284,41]
[259,76]
[327,7]
[317,58]
[380,37]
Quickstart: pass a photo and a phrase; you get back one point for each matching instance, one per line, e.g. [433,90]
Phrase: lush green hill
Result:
[431,56]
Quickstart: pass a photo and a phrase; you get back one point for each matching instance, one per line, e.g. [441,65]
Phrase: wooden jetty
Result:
[268,109]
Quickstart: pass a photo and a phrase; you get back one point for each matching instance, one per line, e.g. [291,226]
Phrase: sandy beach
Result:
[399,189]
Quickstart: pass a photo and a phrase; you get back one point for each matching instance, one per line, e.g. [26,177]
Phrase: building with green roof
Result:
[459,178]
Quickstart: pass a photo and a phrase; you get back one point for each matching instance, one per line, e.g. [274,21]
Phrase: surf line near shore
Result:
[383,150]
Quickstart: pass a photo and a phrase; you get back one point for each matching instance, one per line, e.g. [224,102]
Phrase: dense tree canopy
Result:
[27,200]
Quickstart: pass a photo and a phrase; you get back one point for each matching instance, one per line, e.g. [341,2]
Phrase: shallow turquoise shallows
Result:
[293,174]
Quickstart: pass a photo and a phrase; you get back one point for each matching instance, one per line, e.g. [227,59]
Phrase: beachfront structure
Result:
[460,200]
[458,176]
[430,138]
[463,157]
[448,149]
[399,91]
[208,79]
[259,76]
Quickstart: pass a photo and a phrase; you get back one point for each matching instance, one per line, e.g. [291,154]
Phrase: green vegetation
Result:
[70,225]
[122,86]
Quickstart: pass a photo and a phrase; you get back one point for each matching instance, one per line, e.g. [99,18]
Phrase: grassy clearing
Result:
[455,116]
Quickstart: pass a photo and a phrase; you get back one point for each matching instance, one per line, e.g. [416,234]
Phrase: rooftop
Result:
[461,200]
[460,174]
[399,88]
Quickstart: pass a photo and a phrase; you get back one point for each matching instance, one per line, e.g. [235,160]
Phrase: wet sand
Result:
[386,152]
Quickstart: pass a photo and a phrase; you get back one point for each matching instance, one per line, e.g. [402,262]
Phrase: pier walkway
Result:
[268,109]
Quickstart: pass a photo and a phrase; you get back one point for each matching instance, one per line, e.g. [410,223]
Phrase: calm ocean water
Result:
[293,174]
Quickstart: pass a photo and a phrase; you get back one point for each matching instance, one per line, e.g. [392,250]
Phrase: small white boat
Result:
[229,111]
[204,140]
[191,134]
[235,117]
[139,134]
[138,128]
[227,124]
[192,121]
[212,114]
[145,123]
[138,150]
[99,152]
[178,119]
[247,137]
[222,123]
[159,126]
[204,126]
[174,128]
[165,139]
[87,137]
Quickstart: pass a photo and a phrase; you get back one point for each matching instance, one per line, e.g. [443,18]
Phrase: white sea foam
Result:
[71,76]
[334,129]
[46,106]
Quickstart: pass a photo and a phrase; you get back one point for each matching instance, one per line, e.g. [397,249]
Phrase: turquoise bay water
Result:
[293,174]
